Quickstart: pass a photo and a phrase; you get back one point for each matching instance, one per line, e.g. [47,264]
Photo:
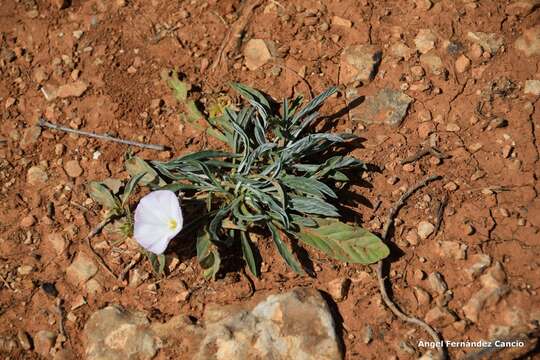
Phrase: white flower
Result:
[158,219]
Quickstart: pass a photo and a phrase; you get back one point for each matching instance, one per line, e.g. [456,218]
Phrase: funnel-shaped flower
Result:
[158,218]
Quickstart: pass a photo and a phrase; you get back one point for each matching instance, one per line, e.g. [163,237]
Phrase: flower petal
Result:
[153,217]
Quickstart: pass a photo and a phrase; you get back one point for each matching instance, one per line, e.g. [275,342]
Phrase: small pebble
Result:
[339,288]
[435,160]
[59,149]
[419,275]
[437,283]
[504,212]
[507,151]
[451,186]
[24,340]
[73,168]
[469,229]
[408,167]
[425,229]
[28,221]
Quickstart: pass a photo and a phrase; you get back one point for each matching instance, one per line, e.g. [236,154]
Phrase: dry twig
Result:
[382,287]
[440,212]
[98,258]
[45,123]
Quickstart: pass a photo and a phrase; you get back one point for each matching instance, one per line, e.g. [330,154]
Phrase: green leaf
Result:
[284,251]
[207,254]
[130,186]
[157,262]
[135,165]
[307,186]
[311,205]
[193,112]
[179,88]
[255,98]
[113,184]
[102,195]
[314,104]
[344,242]
[247,251]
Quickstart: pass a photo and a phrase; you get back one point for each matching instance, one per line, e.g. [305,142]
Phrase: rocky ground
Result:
[433,87]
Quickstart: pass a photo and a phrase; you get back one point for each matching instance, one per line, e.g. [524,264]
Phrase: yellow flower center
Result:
[172,224]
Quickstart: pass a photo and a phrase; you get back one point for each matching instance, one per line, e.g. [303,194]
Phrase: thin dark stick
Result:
[382,287]
[93,233]
[45,123]
[429,150]
[440,212]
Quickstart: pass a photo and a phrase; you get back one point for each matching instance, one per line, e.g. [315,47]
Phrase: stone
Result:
[532,87]
[522,7]
[256,54]
[529,42]
[425,40]
[423,5]
[24,340]
[468,229]
[451,186]
[412,238]
[462,64]
[28,221]
[77,34]
[43,342]
[453,249]
[418,73]
[57,242]
[49,92]
[493,289]
[401,51]
[408,167]
[30,136]
[59,149]
[25,270]
[387,106]
[339,21]
[440,317]
[437,283]
[73,168]
[491,42]
[36,175]
[425,229]
[293,325]
[74,89]
[338,288]
[507,151]
[81,269]
[93,287]
[432,62]
[360,62]
[422,296]
[114,333]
